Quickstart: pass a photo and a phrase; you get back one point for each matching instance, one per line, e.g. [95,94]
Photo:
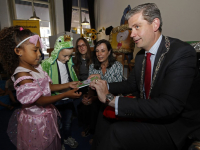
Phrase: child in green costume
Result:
[59,67]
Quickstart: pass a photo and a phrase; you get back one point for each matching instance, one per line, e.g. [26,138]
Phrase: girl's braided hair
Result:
[9,38]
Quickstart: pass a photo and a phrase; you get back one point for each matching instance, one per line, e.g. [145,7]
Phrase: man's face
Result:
[142,31]
[65,55]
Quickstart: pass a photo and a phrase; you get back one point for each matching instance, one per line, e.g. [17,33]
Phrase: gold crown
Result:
[67,38]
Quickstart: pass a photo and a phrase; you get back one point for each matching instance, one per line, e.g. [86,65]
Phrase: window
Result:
[23,10]
[76,20]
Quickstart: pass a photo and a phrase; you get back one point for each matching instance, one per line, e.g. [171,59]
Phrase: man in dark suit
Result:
[167,109]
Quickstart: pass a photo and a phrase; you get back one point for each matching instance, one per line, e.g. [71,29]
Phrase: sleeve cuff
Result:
[116,105]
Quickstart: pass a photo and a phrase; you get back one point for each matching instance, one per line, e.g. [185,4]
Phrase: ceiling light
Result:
[85,22]
[34,17]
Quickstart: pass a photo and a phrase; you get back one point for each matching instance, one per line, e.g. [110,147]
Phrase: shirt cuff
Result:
[116,105]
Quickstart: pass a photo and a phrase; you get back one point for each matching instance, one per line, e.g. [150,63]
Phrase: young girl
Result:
[82,59]
[36,121]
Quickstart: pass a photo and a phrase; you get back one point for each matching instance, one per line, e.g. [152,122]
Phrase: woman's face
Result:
[102,53]
[82,48]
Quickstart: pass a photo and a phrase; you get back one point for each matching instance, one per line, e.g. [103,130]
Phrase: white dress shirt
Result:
[64,77]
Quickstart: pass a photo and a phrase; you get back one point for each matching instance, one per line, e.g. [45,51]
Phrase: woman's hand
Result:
[95,75]
[73,93]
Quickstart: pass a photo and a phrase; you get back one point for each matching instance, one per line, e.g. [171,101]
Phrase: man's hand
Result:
[101,88]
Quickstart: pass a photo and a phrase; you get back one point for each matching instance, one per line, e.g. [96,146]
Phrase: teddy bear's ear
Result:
[108,30]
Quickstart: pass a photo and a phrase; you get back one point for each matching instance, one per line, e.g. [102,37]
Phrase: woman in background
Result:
[107,68]
[82,59]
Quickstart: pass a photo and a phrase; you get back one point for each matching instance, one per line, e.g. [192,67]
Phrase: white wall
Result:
[180,17]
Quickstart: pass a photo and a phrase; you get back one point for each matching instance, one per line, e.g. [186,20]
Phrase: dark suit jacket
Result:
[175,97]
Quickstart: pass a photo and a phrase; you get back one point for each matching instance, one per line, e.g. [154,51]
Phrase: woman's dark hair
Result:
[111,58]
[77,59]
[9,38]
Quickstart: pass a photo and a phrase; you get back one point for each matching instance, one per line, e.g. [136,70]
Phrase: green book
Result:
[86,82]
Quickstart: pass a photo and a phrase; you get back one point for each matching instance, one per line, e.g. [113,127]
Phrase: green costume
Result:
[50,65]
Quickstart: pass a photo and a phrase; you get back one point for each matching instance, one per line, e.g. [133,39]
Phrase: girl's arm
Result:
[45,100]
[2,92]
[58,87]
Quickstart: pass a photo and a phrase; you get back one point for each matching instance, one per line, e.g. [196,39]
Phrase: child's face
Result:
[65,55]
[30,54]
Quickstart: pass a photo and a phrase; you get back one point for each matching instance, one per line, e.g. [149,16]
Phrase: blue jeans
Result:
[65,108]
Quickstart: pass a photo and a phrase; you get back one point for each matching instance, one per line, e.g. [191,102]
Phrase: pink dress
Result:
[34,127]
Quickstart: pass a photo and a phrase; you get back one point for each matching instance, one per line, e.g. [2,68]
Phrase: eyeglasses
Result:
[80,46]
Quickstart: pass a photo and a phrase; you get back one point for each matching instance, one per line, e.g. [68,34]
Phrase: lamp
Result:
[85,22]
[34,17]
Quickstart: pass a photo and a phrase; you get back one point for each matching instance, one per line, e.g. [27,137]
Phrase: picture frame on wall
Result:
[120,39]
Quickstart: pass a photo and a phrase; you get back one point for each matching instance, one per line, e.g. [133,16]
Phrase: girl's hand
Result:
[2,92]
[73,93]
[9,107]
[73,84]
[87,100]
[94,75]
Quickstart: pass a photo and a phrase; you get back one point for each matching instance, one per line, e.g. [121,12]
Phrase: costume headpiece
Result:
[62,42]
[32,39]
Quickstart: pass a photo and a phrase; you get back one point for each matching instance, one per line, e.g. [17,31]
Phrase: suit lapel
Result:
[160,51]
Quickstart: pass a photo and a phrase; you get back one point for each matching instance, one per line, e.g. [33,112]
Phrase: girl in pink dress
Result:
[34,126]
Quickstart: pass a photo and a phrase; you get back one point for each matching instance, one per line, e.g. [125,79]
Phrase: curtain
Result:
[91,14]
[52,17]
[67,10]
